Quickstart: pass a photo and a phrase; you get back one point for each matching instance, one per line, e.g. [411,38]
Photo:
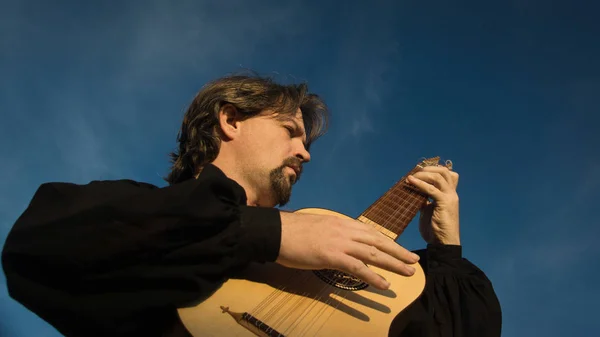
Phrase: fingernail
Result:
[411,270]
[386,284]
[416,257]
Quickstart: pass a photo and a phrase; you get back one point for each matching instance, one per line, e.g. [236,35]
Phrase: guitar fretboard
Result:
[396,208]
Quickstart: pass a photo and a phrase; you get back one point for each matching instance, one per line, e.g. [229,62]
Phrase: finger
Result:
[443,171]
[454,178]
[375,257]
[426,183]
[356,267]
[447,175]
[385,245]
[450,176]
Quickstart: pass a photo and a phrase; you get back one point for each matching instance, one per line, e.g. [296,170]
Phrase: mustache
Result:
[295,162]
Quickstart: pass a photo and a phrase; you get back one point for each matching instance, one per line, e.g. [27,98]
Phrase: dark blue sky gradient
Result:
[508,90]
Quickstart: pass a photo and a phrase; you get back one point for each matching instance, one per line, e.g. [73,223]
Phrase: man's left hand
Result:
[439,220]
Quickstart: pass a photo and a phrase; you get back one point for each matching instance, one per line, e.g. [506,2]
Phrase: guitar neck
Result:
[397,207]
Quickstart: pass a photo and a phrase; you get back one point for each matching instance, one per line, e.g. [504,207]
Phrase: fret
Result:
[380,228]
[398,206]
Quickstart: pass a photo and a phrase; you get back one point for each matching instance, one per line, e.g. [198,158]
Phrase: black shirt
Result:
[113,258]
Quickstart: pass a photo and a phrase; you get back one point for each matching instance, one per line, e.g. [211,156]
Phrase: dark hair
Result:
[198,138]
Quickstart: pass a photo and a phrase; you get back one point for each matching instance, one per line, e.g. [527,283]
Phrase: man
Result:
[115,258]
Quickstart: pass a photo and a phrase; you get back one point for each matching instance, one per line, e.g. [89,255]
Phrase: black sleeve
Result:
[458,300]
[109,257]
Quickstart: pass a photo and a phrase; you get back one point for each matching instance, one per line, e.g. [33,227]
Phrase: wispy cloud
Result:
[98,109]
[368,84]
[550,251]
[558,230]
[80,92]
[98,94]
[363,80]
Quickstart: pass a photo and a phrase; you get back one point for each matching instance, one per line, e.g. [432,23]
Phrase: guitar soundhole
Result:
[341,280]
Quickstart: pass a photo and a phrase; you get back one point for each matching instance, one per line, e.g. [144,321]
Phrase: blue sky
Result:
[508,90]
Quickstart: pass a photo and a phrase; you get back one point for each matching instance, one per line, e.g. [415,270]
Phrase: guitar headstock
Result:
[434,161]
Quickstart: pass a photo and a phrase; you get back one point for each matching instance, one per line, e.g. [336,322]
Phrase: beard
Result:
[281,185]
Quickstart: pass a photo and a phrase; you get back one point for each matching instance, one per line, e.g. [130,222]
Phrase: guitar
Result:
[275,301]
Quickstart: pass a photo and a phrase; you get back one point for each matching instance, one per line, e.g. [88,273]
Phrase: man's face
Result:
[273,151]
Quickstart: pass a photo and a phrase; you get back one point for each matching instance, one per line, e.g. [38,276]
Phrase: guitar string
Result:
[306,275]
[277,293]
[406,207]
[255,311]
[261,305]
[292,304]
[316,298]
[275,309]
[298,321]
[339,302]
[312,322]
[304,297]
[411,194]
[389,224]
[328,303]
[375,213]
[292,325]
[333,310]
[418,196]
[263,319]
[412,199]
[273,297]
[313,302]
[386,222]
[382,221]
[346,292]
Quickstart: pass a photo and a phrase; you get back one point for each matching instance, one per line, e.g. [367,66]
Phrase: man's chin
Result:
[281,183]
[284,198]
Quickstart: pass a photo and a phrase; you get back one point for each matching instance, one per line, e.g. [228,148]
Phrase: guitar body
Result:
[272,300]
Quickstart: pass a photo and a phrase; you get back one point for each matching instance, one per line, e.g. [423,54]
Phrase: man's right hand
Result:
[314,241]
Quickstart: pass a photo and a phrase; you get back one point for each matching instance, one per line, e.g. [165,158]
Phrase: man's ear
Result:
[229,121]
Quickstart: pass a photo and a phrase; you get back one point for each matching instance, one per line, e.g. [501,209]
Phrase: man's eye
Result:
[290,130]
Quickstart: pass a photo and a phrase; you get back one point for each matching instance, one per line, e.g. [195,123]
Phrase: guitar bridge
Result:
[253,324]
